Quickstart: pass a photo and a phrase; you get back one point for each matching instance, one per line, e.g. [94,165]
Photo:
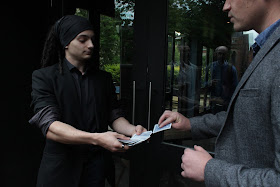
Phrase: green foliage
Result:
[203,19]
[176,74]
[114,69]
[177,51]
[109,41]
[116,39]
[82,13]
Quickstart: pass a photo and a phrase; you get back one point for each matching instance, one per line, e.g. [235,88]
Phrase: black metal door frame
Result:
[148,159]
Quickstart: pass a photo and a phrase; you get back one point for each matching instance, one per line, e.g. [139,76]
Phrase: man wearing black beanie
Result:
[73,104]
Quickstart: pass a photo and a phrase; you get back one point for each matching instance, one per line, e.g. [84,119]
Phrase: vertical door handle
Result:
[133,104]
[149,110]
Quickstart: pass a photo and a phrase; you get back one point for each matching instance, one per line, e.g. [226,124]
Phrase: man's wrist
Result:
[133,130]
[95,138]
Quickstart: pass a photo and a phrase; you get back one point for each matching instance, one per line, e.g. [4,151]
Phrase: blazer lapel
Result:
[69,90]
[269,44]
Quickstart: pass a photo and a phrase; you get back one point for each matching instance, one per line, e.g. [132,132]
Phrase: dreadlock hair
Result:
[53,51]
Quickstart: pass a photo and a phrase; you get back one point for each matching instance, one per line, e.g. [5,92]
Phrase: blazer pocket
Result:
[251,92]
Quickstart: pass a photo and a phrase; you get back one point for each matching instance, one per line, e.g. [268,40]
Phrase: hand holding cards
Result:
[136,139]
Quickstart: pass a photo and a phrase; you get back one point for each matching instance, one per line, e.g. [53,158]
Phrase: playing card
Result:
[157,129]
[136,139]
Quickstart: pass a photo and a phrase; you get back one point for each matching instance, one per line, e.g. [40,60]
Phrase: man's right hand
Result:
[178,120]
[109,141]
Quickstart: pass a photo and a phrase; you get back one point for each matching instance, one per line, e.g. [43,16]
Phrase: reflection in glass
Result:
[200,79]
[223,80]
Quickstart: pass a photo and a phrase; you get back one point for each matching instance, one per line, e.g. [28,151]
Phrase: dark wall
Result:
[23,29]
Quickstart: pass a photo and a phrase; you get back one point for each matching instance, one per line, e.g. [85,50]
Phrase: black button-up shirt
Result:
[83,91]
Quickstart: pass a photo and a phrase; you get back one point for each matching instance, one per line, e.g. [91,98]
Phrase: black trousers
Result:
[74,170]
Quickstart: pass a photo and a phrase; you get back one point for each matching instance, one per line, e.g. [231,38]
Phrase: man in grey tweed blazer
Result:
[247,149]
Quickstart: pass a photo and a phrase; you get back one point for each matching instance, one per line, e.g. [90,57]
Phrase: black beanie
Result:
[68,27]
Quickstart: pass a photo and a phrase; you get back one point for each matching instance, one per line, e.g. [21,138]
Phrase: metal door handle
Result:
[149,111]
[133,103]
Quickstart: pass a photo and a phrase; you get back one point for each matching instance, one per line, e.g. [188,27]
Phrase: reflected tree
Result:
[203,19]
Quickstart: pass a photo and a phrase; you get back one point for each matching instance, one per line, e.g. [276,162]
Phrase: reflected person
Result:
[187,84]
[74,102]
[223,82]
[247,150]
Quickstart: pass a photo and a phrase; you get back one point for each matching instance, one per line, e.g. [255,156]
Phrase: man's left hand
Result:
[194,162]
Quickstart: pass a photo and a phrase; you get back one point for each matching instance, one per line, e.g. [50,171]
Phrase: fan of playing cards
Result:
[136,139]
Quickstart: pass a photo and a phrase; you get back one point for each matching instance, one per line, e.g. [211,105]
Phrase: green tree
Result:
[116,38]
[109,41]
[202,19]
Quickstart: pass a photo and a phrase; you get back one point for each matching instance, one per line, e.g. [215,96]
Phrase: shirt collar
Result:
[69,65]
[72,68]
[263,36]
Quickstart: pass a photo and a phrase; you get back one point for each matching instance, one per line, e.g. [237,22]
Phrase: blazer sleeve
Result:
[222,173]
[207,126]
[42,91]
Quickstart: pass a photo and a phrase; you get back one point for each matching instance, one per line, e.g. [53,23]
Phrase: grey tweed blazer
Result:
[247,149]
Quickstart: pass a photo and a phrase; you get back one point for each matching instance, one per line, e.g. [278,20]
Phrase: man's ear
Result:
[66,47]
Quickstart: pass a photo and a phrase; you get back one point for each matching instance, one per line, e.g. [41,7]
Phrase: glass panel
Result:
[201,76]
[200,79]
[116,55]
[116,45]
[110,48]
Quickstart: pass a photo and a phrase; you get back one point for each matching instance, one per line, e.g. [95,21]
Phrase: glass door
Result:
[163,55]
[206,59]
